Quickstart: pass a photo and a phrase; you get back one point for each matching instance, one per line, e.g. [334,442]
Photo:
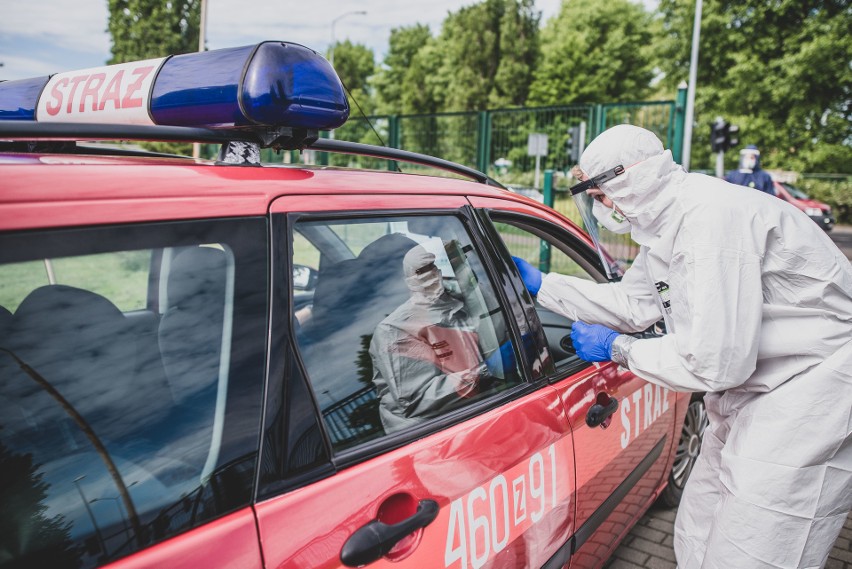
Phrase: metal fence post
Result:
[483,141]
[322,157]
[393,138]
[544,246]
[679,125]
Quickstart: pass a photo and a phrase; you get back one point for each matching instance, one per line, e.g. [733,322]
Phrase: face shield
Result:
[749,160]
[585,204]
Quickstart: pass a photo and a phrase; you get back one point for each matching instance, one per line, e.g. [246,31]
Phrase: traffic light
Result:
[573,143]
[723,135]
[733,136]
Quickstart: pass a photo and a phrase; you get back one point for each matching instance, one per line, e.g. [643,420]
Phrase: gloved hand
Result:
[503,356]
[593,342]
[530,275]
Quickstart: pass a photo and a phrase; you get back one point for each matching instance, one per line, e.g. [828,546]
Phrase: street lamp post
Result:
[334,41]
[333,22]
[202,41]
[690,93]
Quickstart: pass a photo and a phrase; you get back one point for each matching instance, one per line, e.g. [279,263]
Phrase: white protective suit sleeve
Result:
[626,306]
[717,309]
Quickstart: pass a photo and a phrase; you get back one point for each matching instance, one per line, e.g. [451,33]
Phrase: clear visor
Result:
[584,203]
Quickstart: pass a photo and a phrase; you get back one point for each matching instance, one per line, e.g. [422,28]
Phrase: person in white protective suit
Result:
[757,303]
[425,354]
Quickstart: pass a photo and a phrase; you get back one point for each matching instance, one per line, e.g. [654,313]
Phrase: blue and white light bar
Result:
[272,84]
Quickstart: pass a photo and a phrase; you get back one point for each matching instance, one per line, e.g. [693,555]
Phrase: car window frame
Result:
[241,396]
[283,224]
[567,243]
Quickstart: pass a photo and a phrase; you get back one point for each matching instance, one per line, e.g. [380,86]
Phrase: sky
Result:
[41,37]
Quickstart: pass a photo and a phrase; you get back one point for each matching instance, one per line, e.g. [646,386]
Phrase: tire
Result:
[688,447]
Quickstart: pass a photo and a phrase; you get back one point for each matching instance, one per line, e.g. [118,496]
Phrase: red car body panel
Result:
[470,469]
[532,459]
[230,541]
[605,457]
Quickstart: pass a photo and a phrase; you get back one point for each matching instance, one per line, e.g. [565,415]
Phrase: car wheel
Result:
[688,447]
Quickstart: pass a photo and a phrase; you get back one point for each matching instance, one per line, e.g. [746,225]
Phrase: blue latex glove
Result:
[503,356]
[530,275]
[593,342]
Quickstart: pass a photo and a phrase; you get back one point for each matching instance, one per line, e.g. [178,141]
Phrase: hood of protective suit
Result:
[749,159]
[648,187]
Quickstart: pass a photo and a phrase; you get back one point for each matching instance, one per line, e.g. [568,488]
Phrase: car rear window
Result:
[122,421]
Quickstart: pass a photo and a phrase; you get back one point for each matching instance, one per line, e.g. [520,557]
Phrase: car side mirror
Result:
[304,277]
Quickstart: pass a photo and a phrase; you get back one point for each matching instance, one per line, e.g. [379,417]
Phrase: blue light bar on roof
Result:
[273,84]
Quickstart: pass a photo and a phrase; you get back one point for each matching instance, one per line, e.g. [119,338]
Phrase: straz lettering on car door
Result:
[480,524]
[640,409]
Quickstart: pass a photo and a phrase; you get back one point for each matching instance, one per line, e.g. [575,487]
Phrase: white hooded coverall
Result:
[757,302]
[426,356]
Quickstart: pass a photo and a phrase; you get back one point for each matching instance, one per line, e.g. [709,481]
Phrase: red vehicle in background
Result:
[816,210]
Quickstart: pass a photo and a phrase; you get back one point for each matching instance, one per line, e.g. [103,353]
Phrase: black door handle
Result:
[566,344]
[376,539]
[598,413]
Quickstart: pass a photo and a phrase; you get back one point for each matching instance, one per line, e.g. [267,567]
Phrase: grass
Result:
[121,277]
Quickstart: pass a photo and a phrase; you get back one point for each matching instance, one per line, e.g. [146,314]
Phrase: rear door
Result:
[131,381]
[475,478]
[622,424]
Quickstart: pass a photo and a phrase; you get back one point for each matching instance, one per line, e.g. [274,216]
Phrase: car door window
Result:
[403,325]
[121,423]
[542,250]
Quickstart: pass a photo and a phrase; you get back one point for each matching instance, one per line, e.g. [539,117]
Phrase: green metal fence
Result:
[495,141]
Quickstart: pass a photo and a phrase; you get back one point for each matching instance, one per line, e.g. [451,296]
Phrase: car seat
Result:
[82,347]
[190,331]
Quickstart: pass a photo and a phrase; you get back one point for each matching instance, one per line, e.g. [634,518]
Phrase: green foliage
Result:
[780,70]
[594,51]
[142,29]
[390,82]
[486,42]
[483,57]
[354,63]
[835,192]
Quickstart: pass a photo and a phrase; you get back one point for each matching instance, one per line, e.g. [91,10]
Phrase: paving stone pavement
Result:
[649,544]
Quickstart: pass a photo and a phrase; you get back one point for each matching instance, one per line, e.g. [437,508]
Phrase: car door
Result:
[132,363]
[622,425]
[481,479]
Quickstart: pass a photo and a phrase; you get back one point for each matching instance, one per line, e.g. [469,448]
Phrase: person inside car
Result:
[425,354]
[757,303]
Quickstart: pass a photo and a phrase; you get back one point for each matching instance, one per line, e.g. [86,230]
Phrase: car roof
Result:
[39,188]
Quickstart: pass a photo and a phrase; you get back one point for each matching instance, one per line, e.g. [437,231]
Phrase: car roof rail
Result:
[280,138]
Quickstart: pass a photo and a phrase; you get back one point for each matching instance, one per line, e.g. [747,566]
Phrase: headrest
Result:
[80,317]
[197,274]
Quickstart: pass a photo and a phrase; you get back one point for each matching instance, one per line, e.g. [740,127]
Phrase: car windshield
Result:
[796,192]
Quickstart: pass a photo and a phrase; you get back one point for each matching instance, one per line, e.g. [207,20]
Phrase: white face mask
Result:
[749,162]
[429,284]
[610,218]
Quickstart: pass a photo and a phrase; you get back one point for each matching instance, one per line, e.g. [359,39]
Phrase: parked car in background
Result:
[817,210]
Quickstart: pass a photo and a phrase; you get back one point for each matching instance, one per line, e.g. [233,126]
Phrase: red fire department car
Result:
[188,356]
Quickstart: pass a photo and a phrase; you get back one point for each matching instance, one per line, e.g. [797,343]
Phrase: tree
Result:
[355,64]
[474,49]
[390,81]
[145,29]
[780,70]
[593,51]
[519,52]
[142,29]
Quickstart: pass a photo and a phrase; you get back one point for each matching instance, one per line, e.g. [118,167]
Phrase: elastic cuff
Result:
[621,349]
